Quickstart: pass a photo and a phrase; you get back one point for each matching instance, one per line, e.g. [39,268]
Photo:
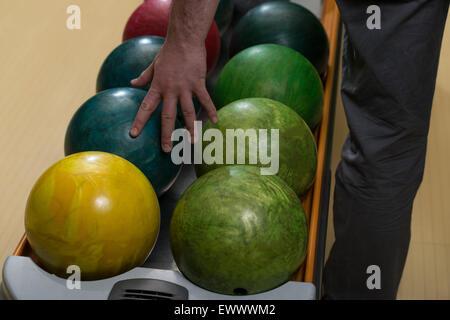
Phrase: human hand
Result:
[177,74]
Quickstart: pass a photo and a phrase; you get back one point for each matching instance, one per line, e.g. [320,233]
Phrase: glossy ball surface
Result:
[93,210]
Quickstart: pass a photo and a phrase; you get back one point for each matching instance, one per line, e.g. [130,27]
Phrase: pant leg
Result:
[388,85]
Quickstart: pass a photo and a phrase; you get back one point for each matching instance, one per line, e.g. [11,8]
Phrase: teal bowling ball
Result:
[127,61]
[103,124]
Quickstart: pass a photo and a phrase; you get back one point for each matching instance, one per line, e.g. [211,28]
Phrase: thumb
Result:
[144,79]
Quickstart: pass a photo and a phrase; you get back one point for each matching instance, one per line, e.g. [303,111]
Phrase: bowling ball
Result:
[224,15]
[237,232]
[241,7]
[275,72]
[287,24]
[152,19]
[93,210]
[294,149]
[128,61]
[103,123]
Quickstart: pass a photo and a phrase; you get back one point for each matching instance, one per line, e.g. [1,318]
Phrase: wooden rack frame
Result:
[312,202]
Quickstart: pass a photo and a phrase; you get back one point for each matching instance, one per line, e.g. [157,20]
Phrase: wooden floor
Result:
[48,71]
[427,271]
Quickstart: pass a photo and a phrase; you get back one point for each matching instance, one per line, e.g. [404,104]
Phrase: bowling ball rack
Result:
[159,277]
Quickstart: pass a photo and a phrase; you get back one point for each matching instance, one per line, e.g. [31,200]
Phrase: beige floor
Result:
[48,71]
[427,271]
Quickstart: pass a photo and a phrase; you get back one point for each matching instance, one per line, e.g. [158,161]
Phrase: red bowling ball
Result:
[152,19]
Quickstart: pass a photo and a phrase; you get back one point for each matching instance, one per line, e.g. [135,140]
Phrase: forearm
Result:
[190,20]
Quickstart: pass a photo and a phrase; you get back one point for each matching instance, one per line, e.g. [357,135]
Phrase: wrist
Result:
[184,43]
[185,37]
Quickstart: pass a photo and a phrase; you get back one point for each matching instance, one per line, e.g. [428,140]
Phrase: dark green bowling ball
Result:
[287,24]
[224,15]
[241,7]
[103,124]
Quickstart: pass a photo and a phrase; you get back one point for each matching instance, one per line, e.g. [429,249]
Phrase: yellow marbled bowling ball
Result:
[94,210]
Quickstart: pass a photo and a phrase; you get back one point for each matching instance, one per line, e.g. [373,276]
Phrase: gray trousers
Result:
[389,78]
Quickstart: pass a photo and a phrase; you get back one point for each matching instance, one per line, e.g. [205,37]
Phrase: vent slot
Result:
[134,293]
[147,289]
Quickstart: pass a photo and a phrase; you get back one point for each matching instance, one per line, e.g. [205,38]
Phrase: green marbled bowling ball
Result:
[275,72]
[297,152]
[237,232]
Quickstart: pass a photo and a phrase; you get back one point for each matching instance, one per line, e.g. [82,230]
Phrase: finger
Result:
[188,109]
[149,104]
[145,77]
[168,116]
[204,98]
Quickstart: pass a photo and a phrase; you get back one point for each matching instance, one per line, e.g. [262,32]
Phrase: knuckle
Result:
[145,106]
[189,113]
[153,91]
[167,117]
[166,138]
[209,107]
[206,98]
[200,83]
